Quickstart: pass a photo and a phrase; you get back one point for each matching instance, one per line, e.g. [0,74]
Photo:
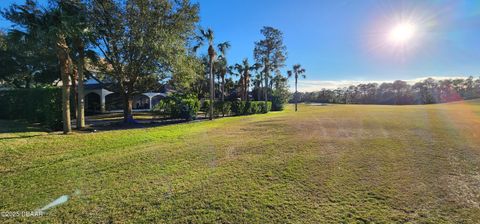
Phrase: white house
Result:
[100,100]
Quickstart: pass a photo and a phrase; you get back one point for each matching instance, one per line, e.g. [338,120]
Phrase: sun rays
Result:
[399,34]
[402,33]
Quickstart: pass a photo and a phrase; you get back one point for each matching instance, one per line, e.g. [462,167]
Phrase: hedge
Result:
[178,106]
[38,105]
[222,108]
[205,107]
[277,103]
[237,108]
[250,107]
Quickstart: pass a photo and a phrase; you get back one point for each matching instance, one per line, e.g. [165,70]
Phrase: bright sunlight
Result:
[402,33]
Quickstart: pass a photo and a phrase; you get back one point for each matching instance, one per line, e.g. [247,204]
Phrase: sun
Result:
[402,33]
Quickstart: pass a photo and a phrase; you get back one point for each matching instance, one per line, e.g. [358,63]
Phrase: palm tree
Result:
[223,47]
[244,72]
[72,25]
[297,71]
[79,47]
[79,40]
[57,24]
[208,34]
[80,54]
[218,70]
[266,71]
[257,82]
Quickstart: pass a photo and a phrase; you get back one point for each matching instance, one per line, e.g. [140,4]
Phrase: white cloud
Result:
[316,85]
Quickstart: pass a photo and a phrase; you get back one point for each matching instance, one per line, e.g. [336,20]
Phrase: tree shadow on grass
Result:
[18,137]
[18,126]
[119,125]
[16,129]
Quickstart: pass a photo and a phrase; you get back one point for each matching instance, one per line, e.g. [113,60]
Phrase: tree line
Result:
[428,91]
[132,46]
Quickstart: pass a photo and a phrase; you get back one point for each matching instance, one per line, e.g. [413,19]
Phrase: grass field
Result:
[323,164]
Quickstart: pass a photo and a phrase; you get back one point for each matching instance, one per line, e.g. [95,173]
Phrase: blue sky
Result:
[340,42]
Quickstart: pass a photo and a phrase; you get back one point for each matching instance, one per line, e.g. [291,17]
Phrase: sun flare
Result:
[402,33]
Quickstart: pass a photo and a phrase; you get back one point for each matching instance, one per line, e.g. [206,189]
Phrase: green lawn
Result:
[336,163]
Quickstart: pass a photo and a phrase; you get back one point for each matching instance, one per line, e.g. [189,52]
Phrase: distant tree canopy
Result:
[429,91]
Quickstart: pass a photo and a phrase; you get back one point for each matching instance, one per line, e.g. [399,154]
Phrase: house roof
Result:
[93,86]
[93,83]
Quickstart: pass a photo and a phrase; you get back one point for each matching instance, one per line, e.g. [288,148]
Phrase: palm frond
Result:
[289,73]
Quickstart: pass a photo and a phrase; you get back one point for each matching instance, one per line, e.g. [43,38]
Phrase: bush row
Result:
[250,107]
[178,106]
[226,108]
[38,105]
[219,108]
[278,103]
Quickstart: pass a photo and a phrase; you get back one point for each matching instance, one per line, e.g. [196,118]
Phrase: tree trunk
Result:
[28,82]
[212,88]
[127,107]
[265,92]
[219,83]
[242,87]
[245,93]
[73,89]
[259,93]
[80,90]
[223,87]
[296,94]
[65,64]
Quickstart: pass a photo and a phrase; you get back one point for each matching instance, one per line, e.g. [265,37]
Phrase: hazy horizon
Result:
[316,85]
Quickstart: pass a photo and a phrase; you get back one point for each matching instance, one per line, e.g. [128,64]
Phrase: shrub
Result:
[259,107]
[262,107]
[187,108]
[38,105]
[278,104]
[206,107]
[279,98]
[238,107]
[178,106]
[223,108]
[250,107]
[162,108]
